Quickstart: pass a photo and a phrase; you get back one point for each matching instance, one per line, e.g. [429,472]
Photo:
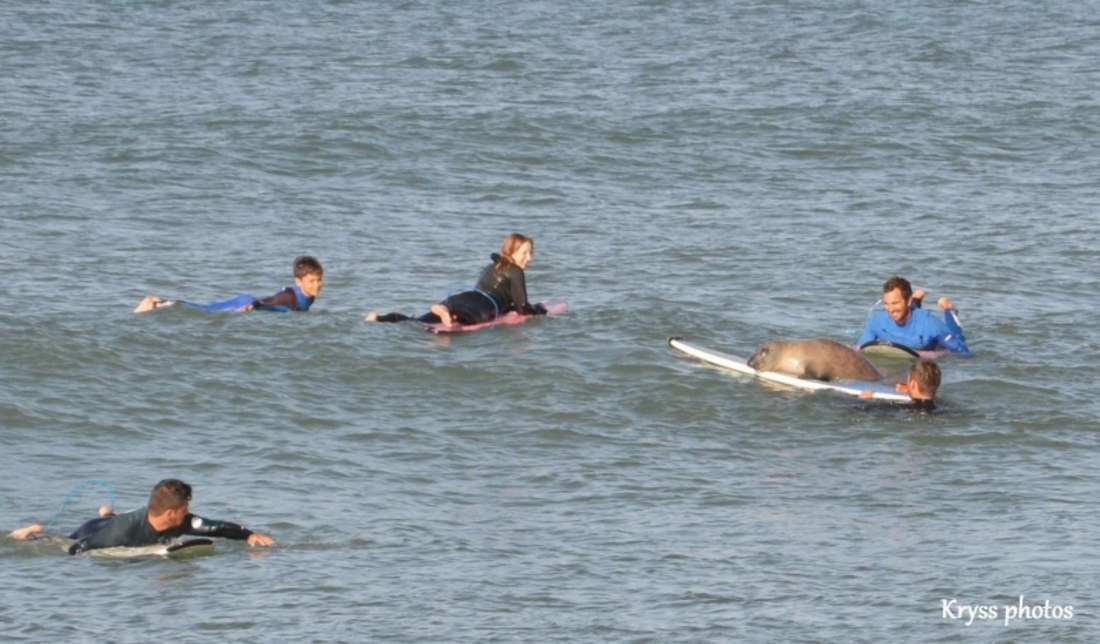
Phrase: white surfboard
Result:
[888,352]
[879,390]
[190,548]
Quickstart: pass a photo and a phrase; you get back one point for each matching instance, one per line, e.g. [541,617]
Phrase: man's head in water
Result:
[308,275]
[897,296]
[518,249]
[169,504]
[924,380]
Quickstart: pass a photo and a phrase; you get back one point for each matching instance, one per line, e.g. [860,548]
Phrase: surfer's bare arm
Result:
[868,394]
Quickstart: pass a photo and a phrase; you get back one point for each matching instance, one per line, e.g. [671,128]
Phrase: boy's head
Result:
[924,380]
[170,499]
[308,275]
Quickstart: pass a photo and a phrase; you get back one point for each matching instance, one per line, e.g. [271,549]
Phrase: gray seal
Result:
[818,359]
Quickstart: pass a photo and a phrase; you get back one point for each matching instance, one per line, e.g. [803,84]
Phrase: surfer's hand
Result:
[257,539]
[918,295]
[902,388]
[866,394]
[149,303]
[27,532]
[945,304]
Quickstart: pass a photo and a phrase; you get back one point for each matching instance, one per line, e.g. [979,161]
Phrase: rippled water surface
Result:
[728,172]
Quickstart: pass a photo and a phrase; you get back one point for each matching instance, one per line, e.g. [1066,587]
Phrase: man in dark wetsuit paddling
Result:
[165,519]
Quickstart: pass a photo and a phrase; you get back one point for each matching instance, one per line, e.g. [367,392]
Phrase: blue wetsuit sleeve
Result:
[868,334]
[954,340]
[232,304]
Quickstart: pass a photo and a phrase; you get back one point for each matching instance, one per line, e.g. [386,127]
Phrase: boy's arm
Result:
[284,298]
[868,394]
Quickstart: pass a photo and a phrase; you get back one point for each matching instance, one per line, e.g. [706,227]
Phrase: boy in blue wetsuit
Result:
[166,518]
[906,324]
[308,279]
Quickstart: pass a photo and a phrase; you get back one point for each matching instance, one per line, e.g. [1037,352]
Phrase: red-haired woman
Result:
[501,288]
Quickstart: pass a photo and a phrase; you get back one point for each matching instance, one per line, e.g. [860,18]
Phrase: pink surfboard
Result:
[553,307]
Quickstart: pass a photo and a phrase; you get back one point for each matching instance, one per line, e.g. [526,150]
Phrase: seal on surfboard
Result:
[879,390]
[817,359]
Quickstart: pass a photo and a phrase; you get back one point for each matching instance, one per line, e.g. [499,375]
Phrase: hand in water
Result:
[257,539]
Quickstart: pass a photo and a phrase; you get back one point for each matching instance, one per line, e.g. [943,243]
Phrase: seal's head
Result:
[762,359]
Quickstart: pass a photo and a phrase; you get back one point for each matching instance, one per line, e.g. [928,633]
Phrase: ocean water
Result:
[726,172]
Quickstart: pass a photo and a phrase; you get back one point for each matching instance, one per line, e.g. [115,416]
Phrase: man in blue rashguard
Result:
[905,323]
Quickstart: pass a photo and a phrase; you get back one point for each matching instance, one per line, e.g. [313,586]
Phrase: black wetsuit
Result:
[133,530]
[910,406]
[288,299]
[922,405]
[498,291]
